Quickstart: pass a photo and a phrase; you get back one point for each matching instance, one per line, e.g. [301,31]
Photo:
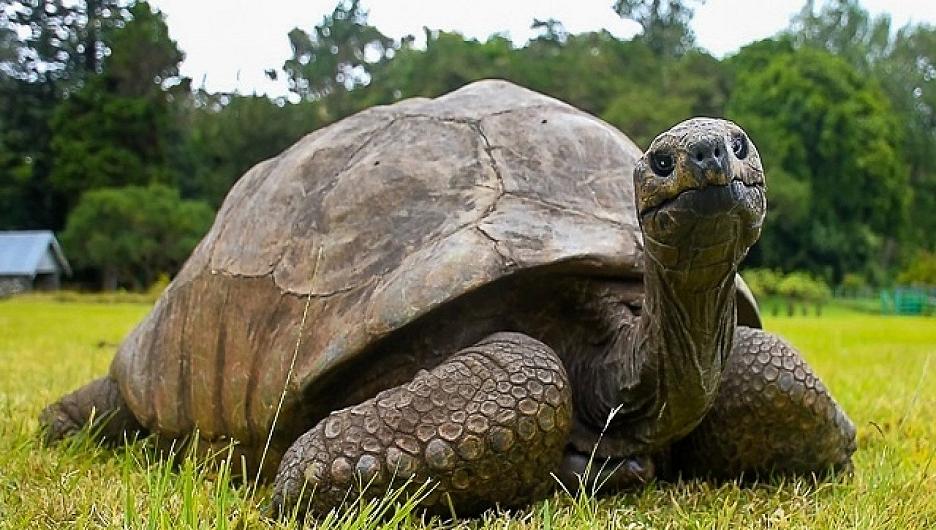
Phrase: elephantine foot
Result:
[772,414]
[486,427]
[579,470]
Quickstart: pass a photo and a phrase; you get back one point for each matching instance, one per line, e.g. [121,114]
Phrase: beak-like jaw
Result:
[700,189]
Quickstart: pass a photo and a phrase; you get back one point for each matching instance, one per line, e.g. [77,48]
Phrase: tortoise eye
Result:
[662,163]
[739,146]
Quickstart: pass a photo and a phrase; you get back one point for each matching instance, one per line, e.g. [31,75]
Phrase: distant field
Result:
[882,370]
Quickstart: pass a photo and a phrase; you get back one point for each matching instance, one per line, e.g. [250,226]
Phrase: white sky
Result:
[228,44]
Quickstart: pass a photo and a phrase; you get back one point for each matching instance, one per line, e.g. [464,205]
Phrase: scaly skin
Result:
[101,400]
[486,426]
[771,415]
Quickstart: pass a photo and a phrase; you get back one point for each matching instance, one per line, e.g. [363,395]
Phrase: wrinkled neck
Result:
[661,372]
[684,335]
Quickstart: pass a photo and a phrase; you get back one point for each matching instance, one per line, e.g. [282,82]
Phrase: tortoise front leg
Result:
[771,415]
[486,426]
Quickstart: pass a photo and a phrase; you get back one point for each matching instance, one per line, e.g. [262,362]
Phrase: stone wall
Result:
[10,285]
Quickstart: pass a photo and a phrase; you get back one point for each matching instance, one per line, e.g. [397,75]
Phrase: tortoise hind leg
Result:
[98,401]
[771,415]
[488,426]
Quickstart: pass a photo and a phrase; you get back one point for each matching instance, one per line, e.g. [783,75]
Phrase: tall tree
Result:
[664,23]
[48,48]
[695,84]
[58,41]
[843,28]
[904,64]
[336,57]
[832,144]
[909,77]
[112,131]
[448,62]
[26,198]
[131,234]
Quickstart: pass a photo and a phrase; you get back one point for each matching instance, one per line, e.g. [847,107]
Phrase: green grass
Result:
[882,369]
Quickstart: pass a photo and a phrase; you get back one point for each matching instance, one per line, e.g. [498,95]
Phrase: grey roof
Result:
[22,251]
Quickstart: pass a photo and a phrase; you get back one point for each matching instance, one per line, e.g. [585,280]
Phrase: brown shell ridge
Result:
[270,166]
[474,124]
[391,118]
[567,209]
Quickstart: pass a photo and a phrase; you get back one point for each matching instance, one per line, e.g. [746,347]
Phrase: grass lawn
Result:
[881,369]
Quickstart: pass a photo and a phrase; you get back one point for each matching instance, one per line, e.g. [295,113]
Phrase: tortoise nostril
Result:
[706,149]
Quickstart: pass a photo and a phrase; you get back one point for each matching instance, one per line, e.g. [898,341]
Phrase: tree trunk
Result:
[109,278]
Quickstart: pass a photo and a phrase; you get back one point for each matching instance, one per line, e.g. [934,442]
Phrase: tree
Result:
[908,75]
[130,235]
[568,72]
[665,24]
[920,271]
[113,130]
[60,42]
[45,53]
[551,31]
[26,200]
[845,29]
[337,57]
[904,64]
[448,62]
[696,84]
[828,135]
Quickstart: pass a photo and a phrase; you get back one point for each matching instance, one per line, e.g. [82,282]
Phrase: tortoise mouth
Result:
[712,199]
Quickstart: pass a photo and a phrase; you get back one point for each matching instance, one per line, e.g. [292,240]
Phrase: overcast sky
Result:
[229,43]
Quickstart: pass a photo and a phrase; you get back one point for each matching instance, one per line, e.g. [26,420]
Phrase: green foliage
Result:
[336,57]
[26,200]
[843,28]
[696,84]
[559,70]
[854,283]
[798,285]
[104,139]
[665,24]
[143,58]
[920,271]
[803,286]
[762,282]
[842,108]
[448,62]
[113,130]
[132,234]
[902,62]
[829,135]
[158,286]
[58,42]
[908,75]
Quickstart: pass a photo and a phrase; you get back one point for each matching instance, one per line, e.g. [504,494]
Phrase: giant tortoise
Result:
[487,290]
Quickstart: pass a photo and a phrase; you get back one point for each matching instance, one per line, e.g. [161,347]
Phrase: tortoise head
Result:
[700,194]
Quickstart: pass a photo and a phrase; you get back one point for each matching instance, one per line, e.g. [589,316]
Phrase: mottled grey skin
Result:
[536,291]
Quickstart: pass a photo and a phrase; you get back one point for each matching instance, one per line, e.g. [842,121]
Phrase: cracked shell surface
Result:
[457,184]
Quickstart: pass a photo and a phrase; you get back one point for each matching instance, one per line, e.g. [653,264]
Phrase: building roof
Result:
[21,252]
